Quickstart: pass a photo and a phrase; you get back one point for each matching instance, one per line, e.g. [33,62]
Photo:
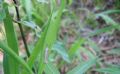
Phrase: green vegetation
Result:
[60,36]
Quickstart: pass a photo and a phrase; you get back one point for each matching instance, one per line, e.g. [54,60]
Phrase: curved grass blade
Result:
[110,12]
[13,55]
[61,50]
[107,19]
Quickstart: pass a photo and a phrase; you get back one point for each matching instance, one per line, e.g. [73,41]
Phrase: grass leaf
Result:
[75,46]
[17,59]
[110,70]
[105,29]
[83,67]
[107,19]
[12,43]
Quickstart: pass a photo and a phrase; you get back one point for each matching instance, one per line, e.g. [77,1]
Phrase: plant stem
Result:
[21,29]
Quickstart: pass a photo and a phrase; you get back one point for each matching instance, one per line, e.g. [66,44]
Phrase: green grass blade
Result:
[53,27]
[10,65]
[61,50]
[14,56]
[110,70]
[105,29]
[70,2]
[107,19]
[75,46]
[83,67]
[51,33]
[110,12]
[53,4]
[113,24]
[38,48]
[46,39]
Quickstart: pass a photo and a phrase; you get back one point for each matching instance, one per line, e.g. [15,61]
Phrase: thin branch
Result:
[21,29]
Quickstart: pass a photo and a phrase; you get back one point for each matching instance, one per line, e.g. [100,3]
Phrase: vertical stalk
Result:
[21,29]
